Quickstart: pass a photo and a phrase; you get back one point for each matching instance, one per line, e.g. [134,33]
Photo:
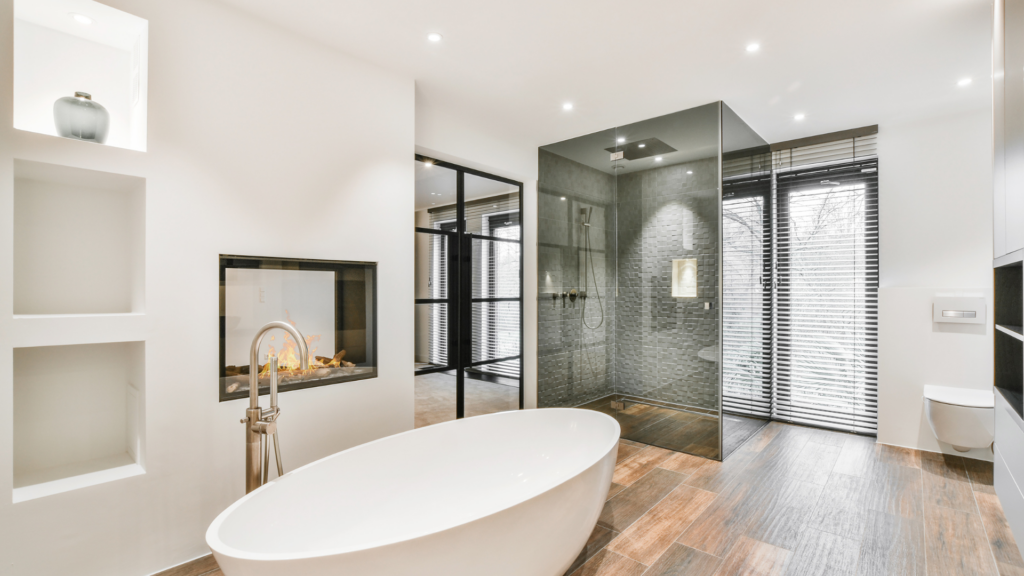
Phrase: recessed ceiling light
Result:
[753,47]
[620,140]
[81,19]
[689,171]
[964,82]
[642,146]
[799,117]
[563,197]
[434,37]
[567,106]
[657,159]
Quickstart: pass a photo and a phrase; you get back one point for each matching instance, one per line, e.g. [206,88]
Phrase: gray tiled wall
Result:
[666,214]
[649,341]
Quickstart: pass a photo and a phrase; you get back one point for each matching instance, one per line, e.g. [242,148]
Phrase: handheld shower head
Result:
[585,214]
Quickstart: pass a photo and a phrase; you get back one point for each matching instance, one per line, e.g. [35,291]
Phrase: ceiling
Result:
[509,66]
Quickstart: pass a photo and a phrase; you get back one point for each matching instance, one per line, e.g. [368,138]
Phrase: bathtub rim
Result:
[218,546]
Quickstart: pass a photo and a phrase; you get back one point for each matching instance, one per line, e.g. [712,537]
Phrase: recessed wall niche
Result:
[66,46]
[79,241]
[78,416]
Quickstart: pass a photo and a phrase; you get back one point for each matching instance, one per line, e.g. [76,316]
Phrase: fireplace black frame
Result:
[274,263]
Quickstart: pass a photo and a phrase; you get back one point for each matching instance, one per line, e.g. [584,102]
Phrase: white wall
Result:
[454,137]
[259,143]
[75,249]
[935,195]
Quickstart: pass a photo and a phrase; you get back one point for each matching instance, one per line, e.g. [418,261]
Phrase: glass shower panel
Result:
[576,275]
[667,344]
[630,272]
[747,281]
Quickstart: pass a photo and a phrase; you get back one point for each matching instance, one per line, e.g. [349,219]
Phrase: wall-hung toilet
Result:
[960,416]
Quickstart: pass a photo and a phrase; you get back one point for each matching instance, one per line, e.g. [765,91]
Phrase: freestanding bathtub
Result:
[508,494]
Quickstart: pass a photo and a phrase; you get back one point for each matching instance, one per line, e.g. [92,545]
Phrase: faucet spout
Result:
[261,425]
[254,364]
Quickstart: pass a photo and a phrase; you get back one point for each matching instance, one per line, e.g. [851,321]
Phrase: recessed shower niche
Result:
[332,303]
[66,46]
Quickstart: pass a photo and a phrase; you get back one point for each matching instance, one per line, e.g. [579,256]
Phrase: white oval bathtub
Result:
[513,493]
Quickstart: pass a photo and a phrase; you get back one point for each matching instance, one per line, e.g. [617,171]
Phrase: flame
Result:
[288,357]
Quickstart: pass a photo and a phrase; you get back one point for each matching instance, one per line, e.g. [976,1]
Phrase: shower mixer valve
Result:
[573,295]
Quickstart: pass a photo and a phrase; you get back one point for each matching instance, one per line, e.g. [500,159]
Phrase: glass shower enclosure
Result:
[633,279]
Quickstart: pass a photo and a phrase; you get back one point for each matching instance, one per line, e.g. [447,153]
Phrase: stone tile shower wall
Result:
[666,214]
[575,362]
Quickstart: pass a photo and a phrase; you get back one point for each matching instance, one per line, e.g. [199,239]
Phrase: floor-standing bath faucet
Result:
[261,424]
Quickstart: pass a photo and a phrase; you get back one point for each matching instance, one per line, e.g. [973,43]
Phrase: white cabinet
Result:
[1009,465]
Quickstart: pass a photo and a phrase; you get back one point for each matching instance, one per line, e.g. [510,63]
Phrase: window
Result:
[747,302]
[500,329]
[826,297]
[439,272]
[800,306]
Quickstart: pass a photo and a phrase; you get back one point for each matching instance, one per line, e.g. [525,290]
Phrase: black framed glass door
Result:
[469,274]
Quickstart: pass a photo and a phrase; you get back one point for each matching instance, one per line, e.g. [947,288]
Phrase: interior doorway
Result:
[469,287]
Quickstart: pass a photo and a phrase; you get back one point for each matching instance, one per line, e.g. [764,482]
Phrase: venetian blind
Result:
[825,313]
[437,322]
[496,298]
[746,303]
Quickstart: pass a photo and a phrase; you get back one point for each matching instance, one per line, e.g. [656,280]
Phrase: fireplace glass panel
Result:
[331,303]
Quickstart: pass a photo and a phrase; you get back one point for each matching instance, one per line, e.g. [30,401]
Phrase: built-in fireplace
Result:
[332,303]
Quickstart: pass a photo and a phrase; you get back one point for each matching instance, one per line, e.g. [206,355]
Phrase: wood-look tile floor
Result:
[678,430]
[205,566]
[435,398]
[794,501]
[800,501]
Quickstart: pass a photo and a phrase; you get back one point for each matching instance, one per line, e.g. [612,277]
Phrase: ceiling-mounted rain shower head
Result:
[642,149]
